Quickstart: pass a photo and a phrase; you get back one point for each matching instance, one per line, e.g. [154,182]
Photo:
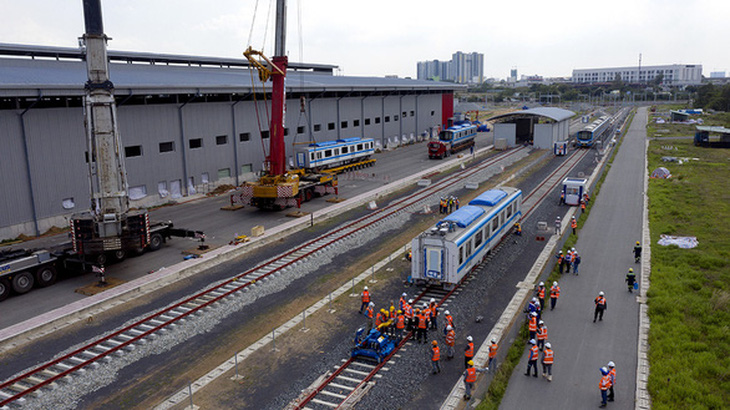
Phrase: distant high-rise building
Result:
[513,75]
[717,74]
[463,68]
[674,74]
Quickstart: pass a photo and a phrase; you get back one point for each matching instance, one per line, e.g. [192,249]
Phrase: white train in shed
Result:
[459,242]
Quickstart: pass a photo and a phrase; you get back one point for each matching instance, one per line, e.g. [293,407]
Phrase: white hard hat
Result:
[366,288]
[533,313]
[410,301]
[600,293]
[555,283]
[534,299]
[533,342]
[449,327]
[572,249]
[541,322]
[542,284]
[469,338]
[425,304]
[611,365]
[371,304]
[548,345]
[494,340]
[447,312]
[404,294]
[433,300]
[558,217]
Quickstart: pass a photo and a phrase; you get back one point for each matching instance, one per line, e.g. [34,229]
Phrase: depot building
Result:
[187,124]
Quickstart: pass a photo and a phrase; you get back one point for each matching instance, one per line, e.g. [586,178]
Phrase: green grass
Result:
[499,384]
[689,297]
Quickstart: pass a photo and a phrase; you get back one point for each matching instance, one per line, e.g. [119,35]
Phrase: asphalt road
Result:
[581,347]
[220,228]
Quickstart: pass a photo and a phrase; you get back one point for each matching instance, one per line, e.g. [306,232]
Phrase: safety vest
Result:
[542,333]
[378,319]
[569,257]
[408,311]
[573,223]
[601,301]
[436,356]
[612,376]
[582,205]
[533,324]
[493,350]
[555,292]
[434,310]
[402,303]
[451,337]
[469,350]
[605,383]
[471,375]
[365,296]
[533,353]
[426,312]
[400,322]
[449,320]
[560,258]
[391,313]
[369,312]
[421,321]
[541,292]
[547,356]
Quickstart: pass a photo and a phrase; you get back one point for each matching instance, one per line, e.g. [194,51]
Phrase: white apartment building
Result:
[674,74]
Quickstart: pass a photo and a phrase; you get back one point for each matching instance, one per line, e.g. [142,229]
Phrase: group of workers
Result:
[568,260]
[448,204]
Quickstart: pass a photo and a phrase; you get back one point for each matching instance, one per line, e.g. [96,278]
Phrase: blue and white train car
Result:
[459,242]
[587,136]
[328,154]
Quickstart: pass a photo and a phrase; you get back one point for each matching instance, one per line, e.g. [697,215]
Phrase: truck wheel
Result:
[101,259]
[46,276]
[4,289]
[23,282]
[155,242]
[308,195]
[120,254]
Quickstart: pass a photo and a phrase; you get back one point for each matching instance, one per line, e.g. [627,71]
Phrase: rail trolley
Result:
[587,136]
[456,244]
[322,155]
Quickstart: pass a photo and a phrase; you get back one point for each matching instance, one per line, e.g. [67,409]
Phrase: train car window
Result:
[509,211]
[344,150]
[370,144]
[311,156]
[343,124]
[495,224]
[331,126]
[319,155]
[377,120]
[327,153]
[355,123]
[367,121]
[478,239]
[461,255]
[468,248]
[395,118]
[387,118]
[359,147]
[337,151]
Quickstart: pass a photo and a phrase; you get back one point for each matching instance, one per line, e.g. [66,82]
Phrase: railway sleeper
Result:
[333,394]
[349,379]
[7,396]
[342,386]
[325,403]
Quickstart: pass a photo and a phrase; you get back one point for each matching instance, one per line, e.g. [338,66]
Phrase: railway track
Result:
[348,382]
[46,375]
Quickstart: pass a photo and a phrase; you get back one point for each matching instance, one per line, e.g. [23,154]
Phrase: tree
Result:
[658,80]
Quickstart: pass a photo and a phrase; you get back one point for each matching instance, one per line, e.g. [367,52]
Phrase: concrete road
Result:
[220,228]
[581,347]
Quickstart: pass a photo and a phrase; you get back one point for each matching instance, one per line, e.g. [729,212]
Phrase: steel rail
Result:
[169,316]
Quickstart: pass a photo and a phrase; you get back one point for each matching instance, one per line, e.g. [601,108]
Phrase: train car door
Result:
[301,160]
[434,263]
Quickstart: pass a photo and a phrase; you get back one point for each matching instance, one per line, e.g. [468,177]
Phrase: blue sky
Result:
[378,37]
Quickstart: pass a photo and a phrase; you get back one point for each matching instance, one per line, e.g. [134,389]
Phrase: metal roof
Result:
[720,130]
[21,77]
[554,113]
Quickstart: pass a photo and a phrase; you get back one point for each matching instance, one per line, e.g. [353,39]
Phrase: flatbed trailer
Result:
[291,189]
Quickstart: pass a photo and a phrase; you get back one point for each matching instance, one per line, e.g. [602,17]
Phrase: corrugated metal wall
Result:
[57,145]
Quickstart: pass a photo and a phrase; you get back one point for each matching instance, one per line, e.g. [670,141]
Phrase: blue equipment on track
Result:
[372,344]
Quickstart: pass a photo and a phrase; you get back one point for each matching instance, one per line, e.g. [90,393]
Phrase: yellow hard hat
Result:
[470,363]
[637,242]
[400,311]
[382,310]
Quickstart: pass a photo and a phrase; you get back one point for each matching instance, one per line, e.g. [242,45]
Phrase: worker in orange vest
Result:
[547,362]
[421,330]
[470,377]
[400,324]
[492,364]
[601,306]
[402,302]
[448,321]
[604,385]
[541,293]
[380,318]
[542,334]
[554,295]
[561,263]
[435,357]
[369,314]
[582,206]
[365,297]
[426,311]
[408,313]
[532,356]
[612,376]
[532,325]
[433,309]
[573,224]
[469,350]
[450,342]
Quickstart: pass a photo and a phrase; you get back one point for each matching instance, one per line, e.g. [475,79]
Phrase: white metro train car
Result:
[456,244]
[328,154]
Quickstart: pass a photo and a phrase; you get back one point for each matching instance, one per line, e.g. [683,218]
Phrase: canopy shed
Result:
[541,127]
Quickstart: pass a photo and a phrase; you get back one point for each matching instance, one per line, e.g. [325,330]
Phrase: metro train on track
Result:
[453,139]
[455,245]
[588,136]
[322,155]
